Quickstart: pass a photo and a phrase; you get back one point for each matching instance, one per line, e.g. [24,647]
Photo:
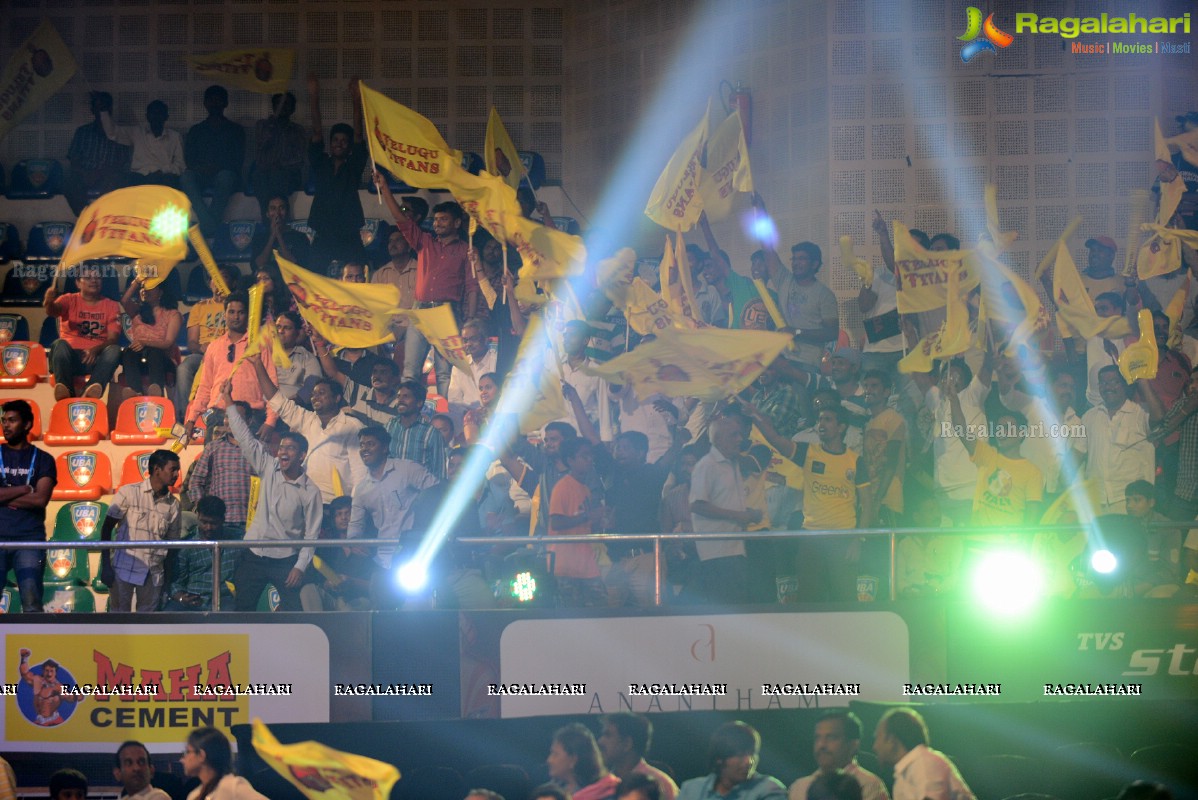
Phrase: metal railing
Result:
[218,547]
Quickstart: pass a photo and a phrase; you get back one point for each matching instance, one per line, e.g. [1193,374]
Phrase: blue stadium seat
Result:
[396,185]
[13,327]
[47,241]
[302,226]
[10,242]
[374,240]
[568,225]
[35,179]
[534,167]
[16,293]
[234,240]
[473,163]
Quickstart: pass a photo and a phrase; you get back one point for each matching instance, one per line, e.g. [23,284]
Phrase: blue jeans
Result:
[415,348]
[67,362]
[223,183]
[185,375]
[29,566]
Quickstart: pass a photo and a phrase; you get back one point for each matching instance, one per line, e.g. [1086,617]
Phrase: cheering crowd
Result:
[1009,431]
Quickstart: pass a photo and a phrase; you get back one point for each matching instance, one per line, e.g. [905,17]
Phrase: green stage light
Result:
[524,587]
[170,224]
[1008,583]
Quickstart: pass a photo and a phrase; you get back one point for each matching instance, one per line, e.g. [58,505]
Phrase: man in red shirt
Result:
[443,275]
[88,336]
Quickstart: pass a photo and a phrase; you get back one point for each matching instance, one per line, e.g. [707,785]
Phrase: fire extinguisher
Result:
[739,99]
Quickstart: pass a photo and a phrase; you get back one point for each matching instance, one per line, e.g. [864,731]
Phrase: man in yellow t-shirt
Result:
[1010,488]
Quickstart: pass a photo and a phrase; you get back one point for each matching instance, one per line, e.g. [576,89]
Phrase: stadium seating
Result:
[13,327]
[82,475]
[68,600]
[47,241]
[534,167]
[393,183]
[374,240]
[35,179]
[568,225]
[77,421]
[302,226]
[10,600]
[136,469]
[22,365]
[234,241]
[140,419]
[34,434]
[10,242]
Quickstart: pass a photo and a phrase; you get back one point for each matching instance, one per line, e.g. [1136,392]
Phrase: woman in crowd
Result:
[477,418]
[576,765]
[208,756]
[153,349]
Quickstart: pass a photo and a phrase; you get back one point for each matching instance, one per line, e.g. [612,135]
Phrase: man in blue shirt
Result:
[732,755]
[27,479]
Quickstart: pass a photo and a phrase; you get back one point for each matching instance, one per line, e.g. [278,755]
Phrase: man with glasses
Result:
[463,386]
[221,359]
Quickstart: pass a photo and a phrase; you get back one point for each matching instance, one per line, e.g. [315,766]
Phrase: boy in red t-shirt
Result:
[88,337]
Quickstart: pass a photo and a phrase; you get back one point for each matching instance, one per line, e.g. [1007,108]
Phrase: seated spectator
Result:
[901,742]
[639,787]
[576,765]
[837,741]
[87,342]
[157,152]
[476,419]
[153,333]
[624,742]
[1164,544]
[341,582]
[276,234]
[98,164]
[68,784]
[296,381]
[190,571]
[548,792]
[835,785]
[208,756]
[464,386]
[134,770]
[214,152]
[279,147]
[444,424]
[732,759]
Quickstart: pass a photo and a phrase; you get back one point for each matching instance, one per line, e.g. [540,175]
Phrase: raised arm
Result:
[254,452]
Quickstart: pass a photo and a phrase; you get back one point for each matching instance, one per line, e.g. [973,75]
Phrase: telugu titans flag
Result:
[148,223]
[727,170]
[41,66]
[923,274]
[266,70]
[404,143]
[674,202]
[347,314]
[323,773]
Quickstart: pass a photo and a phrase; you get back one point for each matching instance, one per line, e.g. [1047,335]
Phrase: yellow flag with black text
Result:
[39,67]
[923,274]
[347,314]
[439,327]
[265,70]
[1076,316]
[322,773]
[148,223]
[951,339]
[1141,358]
[405,143]
[1161,254]
[727,171]
[674,202]
[500,153]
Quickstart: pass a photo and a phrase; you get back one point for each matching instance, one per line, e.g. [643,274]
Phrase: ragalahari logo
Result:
[980,36]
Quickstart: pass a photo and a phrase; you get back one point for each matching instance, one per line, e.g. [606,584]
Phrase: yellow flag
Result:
[767,300]
[923,274]
[1140,359]
[39,67]
[441,330]
[254,325]
[858,265]
[201,247]
[546,254]
[1174,312]
[789,470]
[708,363]
[322,773]
[674,202]
[647,312]
[1076,316]
[404,143]
[727,171]
[533,390]
[1033,317]
[338,489]
[951,339]
[255,494]
[148,223]
[1171,191]
[1187,143]
[485,198]
[347,314]
[265,70]
[500,153]
[1051,255]
[1161,254]
[672,288]
[614,275]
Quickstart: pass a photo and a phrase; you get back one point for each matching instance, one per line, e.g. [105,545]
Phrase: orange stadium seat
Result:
[139,420]
[136,469]
[77,420]
[22,365]
[34,434]
[83,475]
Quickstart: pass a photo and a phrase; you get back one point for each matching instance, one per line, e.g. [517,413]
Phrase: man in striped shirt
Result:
[413,438]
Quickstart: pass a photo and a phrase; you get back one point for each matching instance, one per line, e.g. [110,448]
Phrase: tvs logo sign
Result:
[980,36]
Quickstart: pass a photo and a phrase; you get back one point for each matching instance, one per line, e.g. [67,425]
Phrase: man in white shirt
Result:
[575,335]
[837,739]
[463,386]
[956,474]
[134,770]
[157,152]
[920,773]
[1116,442]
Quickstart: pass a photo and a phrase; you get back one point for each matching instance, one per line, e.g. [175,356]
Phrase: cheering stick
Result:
[1137,215]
